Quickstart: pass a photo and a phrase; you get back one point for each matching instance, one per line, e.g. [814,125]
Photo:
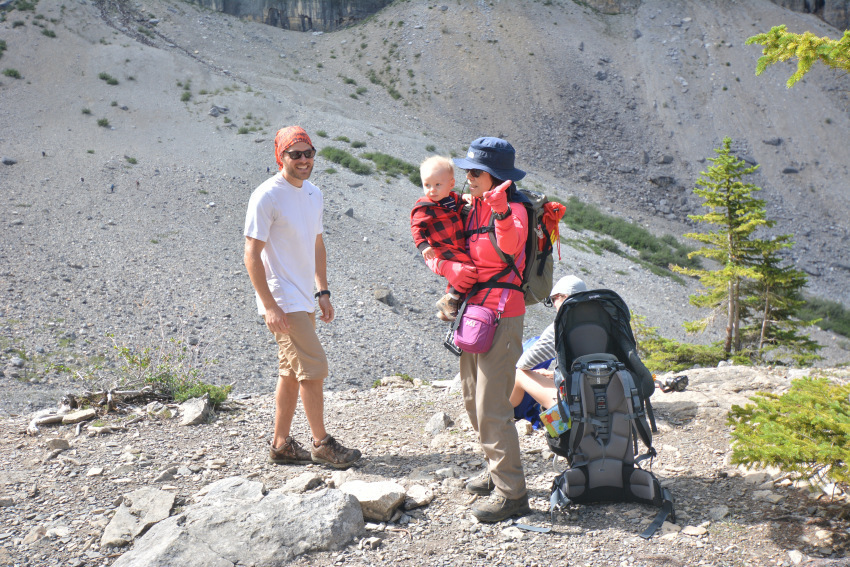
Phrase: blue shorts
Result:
[529,410]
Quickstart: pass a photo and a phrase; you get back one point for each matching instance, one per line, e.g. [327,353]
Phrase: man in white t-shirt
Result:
[285,255]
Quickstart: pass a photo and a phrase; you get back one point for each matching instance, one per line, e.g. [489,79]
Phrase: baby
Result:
[437,226]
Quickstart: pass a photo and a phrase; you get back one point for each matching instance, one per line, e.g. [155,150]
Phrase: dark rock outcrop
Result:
[299,15]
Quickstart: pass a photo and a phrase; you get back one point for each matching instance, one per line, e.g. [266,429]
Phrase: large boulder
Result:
[237,522]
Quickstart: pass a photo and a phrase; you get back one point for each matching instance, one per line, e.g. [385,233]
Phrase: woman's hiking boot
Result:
[290,453]
[498,508]
[330,452]
[448,307]
[481,485]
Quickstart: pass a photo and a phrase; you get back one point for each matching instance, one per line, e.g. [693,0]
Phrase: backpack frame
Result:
[606,395]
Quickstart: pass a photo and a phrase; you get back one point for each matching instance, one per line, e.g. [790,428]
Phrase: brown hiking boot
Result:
[498,508]
[481,484]
[448,306]
[290,453]
[330,452]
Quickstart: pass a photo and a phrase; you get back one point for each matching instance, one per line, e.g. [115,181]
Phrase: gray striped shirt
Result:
[540,351]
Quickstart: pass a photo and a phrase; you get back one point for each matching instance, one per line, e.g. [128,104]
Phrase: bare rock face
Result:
[834,12]
[237,522]
[300,15]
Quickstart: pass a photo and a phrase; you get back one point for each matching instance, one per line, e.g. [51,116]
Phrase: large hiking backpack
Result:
[543,218]
[604,388]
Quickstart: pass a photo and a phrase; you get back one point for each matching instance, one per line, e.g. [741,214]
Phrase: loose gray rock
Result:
[237,523]
[302,483]
[773,141]
[384,295]
[440,421]
[9,161]
[17,362]
[58,444]
[378,500]
[140,510]
[417,496]
[196,411]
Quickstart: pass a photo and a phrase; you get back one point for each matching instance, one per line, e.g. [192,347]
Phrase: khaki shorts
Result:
[299,352]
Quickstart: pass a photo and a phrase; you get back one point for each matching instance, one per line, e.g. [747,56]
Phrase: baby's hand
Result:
[429,253]
[467,198]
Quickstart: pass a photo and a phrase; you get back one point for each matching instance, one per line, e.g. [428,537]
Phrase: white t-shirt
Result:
[288,219]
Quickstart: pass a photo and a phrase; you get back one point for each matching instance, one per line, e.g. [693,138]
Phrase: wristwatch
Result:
[502,216]
[322,292]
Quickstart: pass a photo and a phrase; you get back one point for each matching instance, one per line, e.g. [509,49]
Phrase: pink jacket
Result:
[511,234]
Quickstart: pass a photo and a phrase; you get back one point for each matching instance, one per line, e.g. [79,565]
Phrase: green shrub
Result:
[110,80]
[103,122]
[342,139]
[346,160]
[131,160]
[356,144]
[394,93]
[361,90]
[170,369]
[186,96]
[833,316]
[321,133]
[12,73]
[243,130]
[803,431]
[48,33]
[2,47]
[660,252]
[430,148]
[18,23]
[660,354]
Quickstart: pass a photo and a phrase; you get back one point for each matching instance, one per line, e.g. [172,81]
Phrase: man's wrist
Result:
[322,292]
[502,216]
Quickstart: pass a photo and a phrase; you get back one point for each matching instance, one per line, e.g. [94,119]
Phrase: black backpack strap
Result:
[661,517]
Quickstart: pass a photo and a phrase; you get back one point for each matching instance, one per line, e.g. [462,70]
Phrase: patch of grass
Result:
[321,133]
[18,23]
[393,166]
[86,111]
[361,90]
[660,252]
[346,160]
[319,65]
[430,148]
[342,139]
[243,130]
[186,96]
[357,144]
[89,151]
[109,79]
[113,103]
[348,80]
[833,316]
[12,73]
[103,122]
[330,170]
[393,93]
[48,33]
[131,160]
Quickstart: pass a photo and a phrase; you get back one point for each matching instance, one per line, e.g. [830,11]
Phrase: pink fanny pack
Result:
[476,329]
[475,325]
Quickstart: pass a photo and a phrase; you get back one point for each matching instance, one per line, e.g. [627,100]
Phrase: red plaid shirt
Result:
[440,228]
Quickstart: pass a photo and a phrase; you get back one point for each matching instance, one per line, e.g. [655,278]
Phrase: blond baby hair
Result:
[436,163]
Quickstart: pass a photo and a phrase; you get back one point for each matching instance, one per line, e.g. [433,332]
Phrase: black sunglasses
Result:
[475,173]
[296,154]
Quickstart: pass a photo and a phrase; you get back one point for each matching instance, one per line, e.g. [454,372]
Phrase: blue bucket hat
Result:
[493,155]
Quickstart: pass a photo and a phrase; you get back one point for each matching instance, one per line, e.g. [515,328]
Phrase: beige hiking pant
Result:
[487,381]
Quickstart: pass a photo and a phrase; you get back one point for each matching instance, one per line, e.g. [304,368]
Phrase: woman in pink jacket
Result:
[488,378]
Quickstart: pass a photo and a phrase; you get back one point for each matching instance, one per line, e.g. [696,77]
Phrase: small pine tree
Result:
[737,215]
[776,295]
[804,430]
